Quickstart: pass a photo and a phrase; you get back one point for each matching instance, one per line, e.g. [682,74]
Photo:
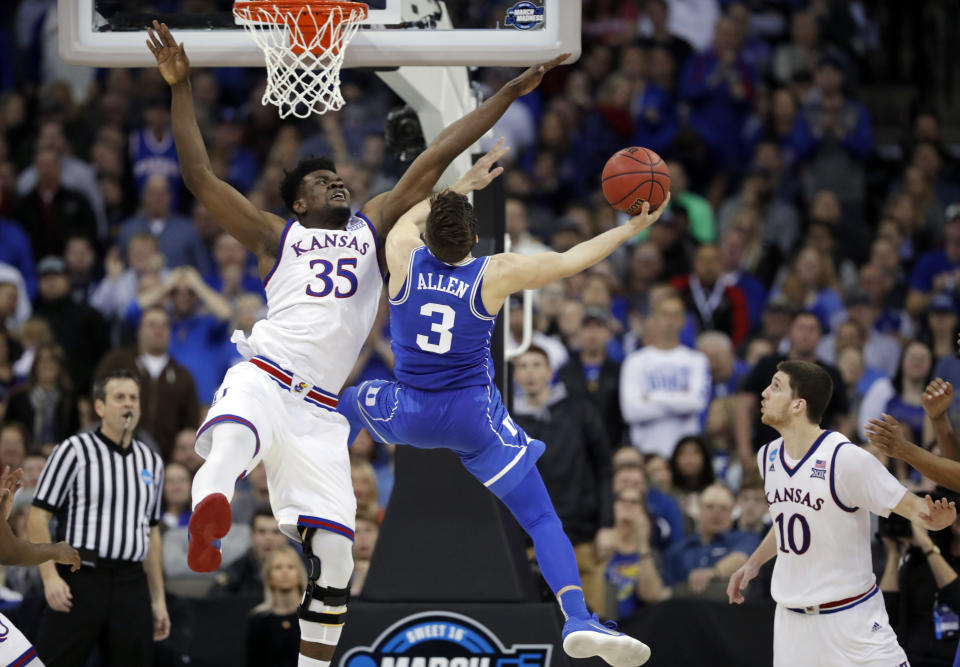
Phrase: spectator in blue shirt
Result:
[719,85]
[15,250]
[665,514]
[937,270]
[233,274]
[178,240]
[632,526]
[733,246]
[834,139]
[654,108]
[152,152]
[241,163]
[708,556]
[196,336]
[715,551]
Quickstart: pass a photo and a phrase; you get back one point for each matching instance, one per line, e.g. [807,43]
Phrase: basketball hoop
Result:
[303,42]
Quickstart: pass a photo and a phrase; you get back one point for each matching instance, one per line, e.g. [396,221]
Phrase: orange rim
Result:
[317,14]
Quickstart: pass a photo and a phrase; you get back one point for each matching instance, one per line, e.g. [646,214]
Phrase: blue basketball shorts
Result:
[472,422]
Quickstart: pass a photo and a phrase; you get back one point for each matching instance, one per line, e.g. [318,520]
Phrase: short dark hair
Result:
[290,186]
[451,226]
[807,313]
[100,384]
[19,428]
[536,349]
[154,308]
[258,513]
[810,382]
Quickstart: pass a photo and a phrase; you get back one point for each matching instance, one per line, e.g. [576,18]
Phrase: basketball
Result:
[635,175]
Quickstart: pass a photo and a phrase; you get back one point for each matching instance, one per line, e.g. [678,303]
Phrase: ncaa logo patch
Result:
[525,15]
[146,476]
[443,639]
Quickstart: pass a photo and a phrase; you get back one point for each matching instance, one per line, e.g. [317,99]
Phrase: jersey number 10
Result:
[790,537]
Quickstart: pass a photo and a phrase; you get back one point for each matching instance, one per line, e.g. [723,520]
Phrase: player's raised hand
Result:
[887,435]
[638,223]
[481,174]
[939,513]
[738,582]
[9,484]
[171,58]
[532,77]
[937,398]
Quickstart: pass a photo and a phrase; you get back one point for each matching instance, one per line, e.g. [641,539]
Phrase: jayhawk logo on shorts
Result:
[300,387]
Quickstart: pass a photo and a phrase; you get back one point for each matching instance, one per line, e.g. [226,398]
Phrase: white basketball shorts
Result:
[301,440]
[860,635]
[15,649]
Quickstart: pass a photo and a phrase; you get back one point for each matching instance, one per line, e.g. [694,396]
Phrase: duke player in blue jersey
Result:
[443,310]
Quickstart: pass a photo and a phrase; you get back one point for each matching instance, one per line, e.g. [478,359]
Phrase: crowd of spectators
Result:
[787,238]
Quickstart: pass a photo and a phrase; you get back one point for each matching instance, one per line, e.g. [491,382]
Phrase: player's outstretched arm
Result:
[259,231]
[932,515]
[509,272]
[420,179]
[746,572]
[937,399]
[887,435]
[13,550]
[405,235]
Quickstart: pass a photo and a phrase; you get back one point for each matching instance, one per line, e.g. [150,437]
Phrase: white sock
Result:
[304,661]
[233,445]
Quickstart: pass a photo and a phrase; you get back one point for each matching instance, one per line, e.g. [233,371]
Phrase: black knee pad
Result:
[328,596]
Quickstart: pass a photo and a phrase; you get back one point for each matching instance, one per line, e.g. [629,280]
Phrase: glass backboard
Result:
[112,33]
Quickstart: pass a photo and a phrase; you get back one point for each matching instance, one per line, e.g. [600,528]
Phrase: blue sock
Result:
[572,604]
[530,503]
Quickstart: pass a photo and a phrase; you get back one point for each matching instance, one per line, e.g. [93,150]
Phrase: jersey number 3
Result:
[443,327]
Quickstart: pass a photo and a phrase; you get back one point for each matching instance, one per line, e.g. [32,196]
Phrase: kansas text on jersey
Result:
[322,299]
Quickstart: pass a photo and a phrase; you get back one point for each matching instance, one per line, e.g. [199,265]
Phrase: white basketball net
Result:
[307,82]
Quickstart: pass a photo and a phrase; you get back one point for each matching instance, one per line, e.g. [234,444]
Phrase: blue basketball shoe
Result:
[588,637]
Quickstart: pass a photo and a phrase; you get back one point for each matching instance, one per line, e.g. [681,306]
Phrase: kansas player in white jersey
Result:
[322,278]
[821,489]
[443,308]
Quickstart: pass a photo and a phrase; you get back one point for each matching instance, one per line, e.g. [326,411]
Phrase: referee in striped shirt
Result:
[104,488]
